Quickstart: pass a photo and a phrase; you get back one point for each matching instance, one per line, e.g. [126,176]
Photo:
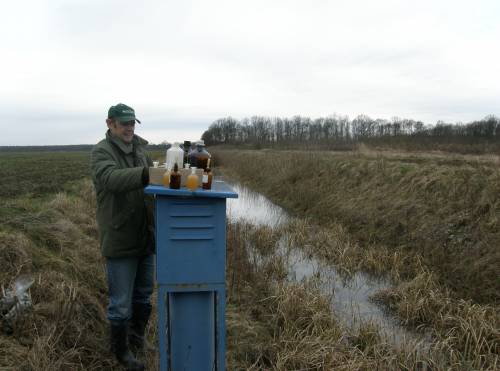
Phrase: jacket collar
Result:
[124,147]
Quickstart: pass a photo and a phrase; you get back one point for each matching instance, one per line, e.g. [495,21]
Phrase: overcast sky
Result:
[183,64]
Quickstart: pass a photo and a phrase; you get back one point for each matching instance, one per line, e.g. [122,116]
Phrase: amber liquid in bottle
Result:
[199,157]
[175,178]
[207,179]
[192,180]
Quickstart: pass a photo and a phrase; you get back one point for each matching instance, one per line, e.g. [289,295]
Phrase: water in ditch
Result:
[350,297]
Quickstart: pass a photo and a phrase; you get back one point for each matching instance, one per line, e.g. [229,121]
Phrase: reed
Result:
[440,211]
[450,288]
[471,330]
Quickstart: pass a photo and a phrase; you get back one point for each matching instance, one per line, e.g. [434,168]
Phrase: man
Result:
[120,170]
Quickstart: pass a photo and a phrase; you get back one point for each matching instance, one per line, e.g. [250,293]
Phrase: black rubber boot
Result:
[120,348]
[140,317]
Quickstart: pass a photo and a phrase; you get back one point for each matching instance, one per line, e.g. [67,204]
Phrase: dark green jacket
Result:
[124,212]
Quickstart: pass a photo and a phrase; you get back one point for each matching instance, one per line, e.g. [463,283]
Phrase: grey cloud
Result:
[190,62]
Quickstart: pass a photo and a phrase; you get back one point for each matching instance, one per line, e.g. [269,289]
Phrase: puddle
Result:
[350,297]
[254,207]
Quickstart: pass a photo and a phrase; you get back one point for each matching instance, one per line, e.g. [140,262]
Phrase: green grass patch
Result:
[40,173]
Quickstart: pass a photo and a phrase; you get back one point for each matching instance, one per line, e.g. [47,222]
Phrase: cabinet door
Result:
[190,240]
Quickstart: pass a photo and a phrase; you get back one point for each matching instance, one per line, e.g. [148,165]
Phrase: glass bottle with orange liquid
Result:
[192,180]
[166,178]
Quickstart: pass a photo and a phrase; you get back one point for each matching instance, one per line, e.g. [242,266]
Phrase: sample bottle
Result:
[175,154]
[192,180]
[199,156]
[207,179]
[175,178]
[185,171]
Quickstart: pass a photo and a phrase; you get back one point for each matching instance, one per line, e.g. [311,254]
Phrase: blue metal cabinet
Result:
[190,272]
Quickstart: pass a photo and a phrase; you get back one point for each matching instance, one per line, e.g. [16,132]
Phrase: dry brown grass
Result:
[436,282]
[271,325]
[471,331]
[15,254]
[444,212]
[277,325]
[54,241]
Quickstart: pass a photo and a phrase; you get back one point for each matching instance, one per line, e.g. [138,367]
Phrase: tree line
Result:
[336,129]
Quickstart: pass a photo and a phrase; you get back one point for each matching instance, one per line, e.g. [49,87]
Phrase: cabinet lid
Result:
[219,190]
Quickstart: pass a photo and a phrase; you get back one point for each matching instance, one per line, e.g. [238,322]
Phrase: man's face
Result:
[122,130]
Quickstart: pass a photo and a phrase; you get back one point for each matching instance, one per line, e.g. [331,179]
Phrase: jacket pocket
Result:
[119,220]
[121,211]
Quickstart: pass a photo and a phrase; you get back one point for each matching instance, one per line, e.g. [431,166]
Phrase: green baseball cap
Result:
[122,113]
